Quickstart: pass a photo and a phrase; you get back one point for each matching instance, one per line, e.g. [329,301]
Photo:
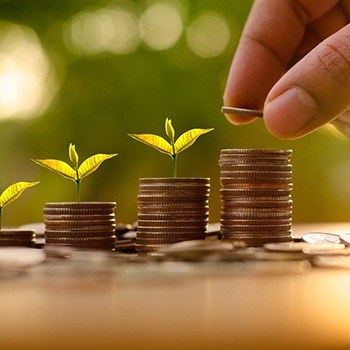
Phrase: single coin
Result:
[160,210]
[257,181]
[16,233]
[167,235]
[174,216]
[247,227]
[81,205]
[264,151]
[226,196]
[173,229]
[257,167]
[88,228]
[172,199]
[268,236]
[149,247]
[78,217]
[256,193]
[173,222]
[257,204]
[171,181]
[300,246]
[80,223]
[78,233]
[256,174]
[153,241]
[255,222]
[78,211]
[320,238]
[242,111]
[80,240]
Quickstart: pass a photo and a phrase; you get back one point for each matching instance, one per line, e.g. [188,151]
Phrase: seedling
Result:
[172,148]
[75,173]
[11,193]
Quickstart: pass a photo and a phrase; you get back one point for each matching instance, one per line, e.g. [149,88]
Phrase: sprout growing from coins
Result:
[11,193]
[172,148]
[77,172]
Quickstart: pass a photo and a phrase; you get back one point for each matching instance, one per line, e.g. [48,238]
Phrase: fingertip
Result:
[239,120]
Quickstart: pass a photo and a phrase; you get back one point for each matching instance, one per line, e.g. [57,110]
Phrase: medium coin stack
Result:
[81,225]
[256,205]
[171,210]
[17,238]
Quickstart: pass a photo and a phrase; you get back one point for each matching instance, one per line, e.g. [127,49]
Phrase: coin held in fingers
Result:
[244,112]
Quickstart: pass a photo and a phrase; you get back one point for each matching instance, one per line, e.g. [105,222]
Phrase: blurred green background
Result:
[89,71]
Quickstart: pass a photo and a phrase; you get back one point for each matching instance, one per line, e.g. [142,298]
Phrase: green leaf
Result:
[90,164]
[73,155]
[169,130]
[12,192]
[188,138]
[58,167]
[154,141]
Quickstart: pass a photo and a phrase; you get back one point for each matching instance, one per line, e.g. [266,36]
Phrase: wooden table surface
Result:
[65,304]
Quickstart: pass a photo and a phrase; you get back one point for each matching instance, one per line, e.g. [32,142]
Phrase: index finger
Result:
[272,34]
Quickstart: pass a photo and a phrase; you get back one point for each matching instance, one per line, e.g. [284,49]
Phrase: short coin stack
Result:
[171,210]
[255,195]
[81,225]
[17,238]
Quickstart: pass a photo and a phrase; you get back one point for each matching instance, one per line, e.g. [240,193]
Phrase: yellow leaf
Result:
[73,155]
[188,138]
[57,166]
[14,191]
[169,129]
[154,141]
[90,164]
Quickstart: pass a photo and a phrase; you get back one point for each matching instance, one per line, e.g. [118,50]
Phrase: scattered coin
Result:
[242,111]
[320,238]
[301,247]
[345,238]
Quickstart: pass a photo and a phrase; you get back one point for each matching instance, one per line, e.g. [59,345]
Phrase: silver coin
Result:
[320,238]
[345,238]
[242,111]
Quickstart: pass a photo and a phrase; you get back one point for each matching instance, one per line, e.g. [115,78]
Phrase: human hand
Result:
[293,60]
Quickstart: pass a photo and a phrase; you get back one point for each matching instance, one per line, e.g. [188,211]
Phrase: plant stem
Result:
[175,165]
[78,190]
[174,156]
[77,181]
[1,218]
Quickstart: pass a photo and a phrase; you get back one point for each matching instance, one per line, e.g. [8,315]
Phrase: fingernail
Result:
[287,114]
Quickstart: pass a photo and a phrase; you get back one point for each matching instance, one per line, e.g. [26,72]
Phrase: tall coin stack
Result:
[81,225]
[256,205]
[171,210]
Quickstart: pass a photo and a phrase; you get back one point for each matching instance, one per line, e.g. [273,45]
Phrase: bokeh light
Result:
[27,80]
[161,25]
[208,35]
[110,29]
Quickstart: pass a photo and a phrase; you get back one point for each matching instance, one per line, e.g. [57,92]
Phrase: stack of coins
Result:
[17,238]
[171,210]
[256,195]
[82,225]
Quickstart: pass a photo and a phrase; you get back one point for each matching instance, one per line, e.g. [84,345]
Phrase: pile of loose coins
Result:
[17,238]
[171,210]
[82,225]
[255,193]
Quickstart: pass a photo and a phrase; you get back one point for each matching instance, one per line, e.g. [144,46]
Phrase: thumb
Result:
[313,92]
